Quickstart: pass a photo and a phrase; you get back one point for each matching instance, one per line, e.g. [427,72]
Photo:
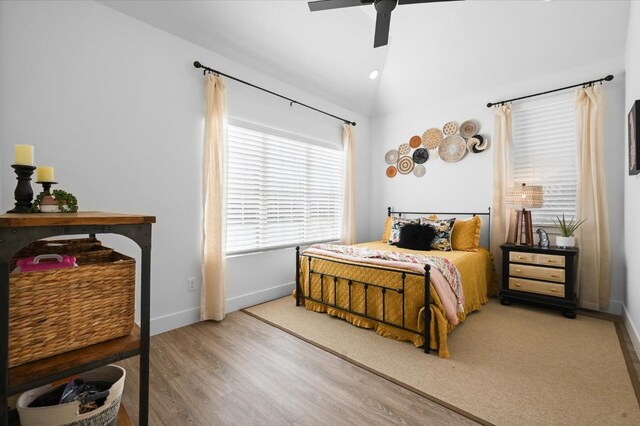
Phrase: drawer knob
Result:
[554,275]
[517,284]
[550,260]
[518,270]
[554,290]
[520,257]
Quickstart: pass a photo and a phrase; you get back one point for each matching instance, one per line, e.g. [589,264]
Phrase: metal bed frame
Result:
[367,285]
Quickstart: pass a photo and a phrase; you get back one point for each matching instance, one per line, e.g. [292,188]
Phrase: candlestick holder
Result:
[23,193]
[46,186]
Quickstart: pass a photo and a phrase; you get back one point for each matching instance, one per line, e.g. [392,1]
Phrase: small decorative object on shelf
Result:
[566,237]
[46,187]
[543,238]
[23,193]
[61,201]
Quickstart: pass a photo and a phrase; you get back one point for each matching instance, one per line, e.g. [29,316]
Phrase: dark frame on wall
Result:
[634,138]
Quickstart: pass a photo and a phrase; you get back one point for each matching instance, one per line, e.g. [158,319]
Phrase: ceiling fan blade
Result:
[422,1]
[315,6]
[383,22]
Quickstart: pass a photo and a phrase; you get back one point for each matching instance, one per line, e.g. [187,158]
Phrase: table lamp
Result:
[523,197]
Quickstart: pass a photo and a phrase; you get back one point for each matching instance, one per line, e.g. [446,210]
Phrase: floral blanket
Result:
[443,274]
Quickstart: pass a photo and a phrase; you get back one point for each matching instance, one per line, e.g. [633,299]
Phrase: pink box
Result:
[44,262]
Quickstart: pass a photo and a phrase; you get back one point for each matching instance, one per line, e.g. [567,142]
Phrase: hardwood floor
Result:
[245,372]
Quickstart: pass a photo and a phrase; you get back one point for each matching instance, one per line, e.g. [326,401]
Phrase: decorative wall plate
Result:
[477,144]
[405,165]
[415,141]
[450,128]
[391,157]
[468,128]
[420,156]
[392,171]
[419,170]
[404,149]
[432,138]
[453,148]
[434,154]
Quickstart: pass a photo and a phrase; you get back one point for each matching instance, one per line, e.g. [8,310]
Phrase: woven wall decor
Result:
[450,144]
[420,156]
[450,128]
[468,128]
[391,157]
[404,149]
[419,170]
[431,138]
[415,141]
[405,165]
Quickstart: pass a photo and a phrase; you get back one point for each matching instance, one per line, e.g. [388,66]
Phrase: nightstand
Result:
[541,275]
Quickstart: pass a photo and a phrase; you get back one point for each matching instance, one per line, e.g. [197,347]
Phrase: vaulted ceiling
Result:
[435,51]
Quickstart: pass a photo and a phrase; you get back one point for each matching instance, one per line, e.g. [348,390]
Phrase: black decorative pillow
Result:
[416,236]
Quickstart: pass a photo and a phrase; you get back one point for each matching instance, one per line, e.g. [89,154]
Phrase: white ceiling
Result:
[435,51]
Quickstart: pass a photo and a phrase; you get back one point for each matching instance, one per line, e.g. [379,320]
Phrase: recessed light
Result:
[373,74]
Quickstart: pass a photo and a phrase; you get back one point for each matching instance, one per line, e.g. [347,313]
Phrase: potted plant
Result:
[567,228]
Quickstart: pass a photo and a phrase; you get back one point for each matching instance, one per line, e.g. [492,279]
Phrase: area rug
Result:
[509,365]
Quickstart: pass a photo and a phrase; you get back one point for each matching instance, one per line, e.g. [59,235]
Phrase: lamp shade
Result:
[525,196]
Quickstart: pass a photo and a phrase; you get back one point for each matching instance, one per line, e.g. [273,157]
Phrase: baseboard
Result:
[176,320]
[615,307]
[257,297]
[192,316]
[631,329]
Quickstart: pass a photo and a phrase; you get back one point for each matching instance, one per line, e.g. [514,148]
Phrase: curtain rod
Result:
[586,83]
[199,65]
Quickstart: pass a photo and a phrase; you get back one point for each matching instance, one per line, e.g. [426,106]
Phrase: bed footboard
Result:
[367,286]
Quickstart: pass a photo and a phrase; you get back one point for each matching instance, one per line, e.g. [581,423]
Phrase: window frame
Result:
[296,138]
[571,129]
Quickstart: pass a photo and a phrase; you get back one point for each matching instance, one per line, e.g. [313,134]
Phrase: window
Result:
[544,153]
[282,189]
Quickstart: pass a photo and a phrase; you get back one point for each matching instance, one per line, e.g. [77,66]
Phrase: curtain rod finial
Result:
[489,105]
[608,78]
[197,64]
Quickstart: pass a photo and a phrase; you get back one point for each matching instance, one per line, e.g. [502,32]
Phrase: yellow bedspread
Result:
[478,282]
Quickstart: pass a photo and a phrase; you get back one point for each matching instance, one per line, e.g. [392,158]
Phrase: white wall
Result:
[632,184]
[468,184]
[116,106]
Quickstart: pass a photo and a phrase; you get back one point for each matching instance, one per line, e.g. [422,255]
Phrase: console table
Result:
[16,231]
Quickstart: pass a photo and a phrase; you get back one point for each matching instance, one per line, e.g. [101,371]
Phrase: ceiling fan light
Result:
[374,74]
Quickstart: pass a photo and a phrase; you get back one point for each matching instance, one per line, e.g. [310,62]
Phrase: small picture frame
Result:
[634,138]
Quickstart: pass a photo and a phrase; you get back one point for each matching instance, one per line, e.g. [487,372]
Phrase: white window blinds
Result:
[544,153]
[281,191]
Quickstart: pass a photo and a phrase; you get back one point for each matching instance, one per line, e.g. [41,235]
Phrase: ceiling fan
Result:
[383,8]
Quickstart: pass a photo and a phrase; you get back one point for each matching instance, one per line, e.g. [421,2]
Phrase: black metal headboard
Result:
[390,212]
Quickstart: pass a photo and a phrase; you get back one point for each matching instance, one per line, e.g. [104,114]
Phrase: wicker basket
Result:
[59,310]
[68,414]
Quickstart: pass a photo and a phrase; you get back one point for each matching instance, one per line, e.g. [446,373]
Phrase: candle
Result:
[45,174]
[24,155]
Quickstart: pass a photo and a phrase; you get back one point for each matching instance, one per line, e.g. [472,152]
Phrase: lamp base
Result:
[524,228]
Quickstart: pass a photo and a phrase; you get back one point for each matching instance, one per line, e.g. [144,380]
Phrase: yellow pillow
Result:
[466,234]
[387,229]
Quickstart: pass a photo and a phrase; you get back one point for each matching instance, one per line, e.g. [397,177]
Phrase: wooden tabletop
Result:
[17,220]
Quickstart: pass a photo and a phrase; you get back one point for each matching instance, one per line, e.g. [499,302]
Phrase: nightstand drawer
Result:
[519,284]
[537,272]
[536,258]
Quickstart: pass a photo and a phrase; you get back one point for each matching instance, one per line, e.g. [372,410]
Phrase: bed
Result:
[389,295]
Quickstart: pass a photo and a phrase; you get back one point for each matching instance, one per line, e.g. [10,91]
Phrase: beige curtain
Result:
[349,205]
[213,257]
[501,182]
[592,237]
